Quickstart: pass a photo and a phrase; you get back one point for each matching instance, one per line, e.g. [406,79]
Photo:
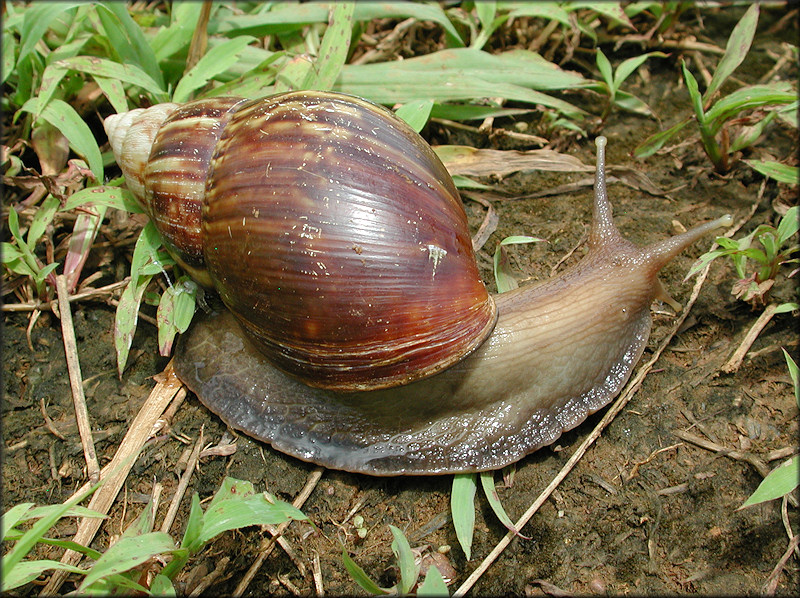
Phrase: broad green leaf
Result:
[63,117]
[237,513]
[126,554]
[234,489]
[215,61]
[462,506]
[735,51]
[51,80]
[409,571]
[27,571]
[781,480]
[463,182]
[631,103]
[334,48]
[783,173]
[161,584]
[787,307]
[433,584]
[127,315]
[416,113]
[360,576]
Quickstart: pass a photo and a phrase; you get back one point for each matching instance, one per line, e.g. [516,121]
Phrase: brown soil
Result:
[643,512]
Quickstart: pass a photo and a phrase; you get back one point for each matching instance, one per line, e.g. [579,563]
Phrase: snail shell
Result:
[561,348]
[327,225]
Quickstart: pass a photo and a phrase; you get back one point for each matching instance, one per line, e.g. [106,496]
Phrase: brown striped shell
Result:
[329,228]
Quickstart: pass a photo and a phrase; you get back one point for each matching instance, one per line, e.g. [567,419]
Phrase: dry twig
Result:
[183,484]
[735,361]
[114,474]
[268,544]
[75,380]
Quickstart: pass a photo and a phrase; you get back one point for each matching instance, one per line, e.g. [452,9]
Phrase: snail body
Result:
[509,374]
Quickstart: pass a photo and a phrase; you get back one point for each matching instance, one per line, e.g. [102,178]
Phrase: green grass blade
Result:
[37,20]
[627,67]
[736,50]
[334,48]
[9,52]
[24,545]
[550,11]
[462,74]
[360,576]
[291,17]
[13,516]
[111,197]
[747,98]
[409,571]
[489,490]
[604,66]
[128,73]
[794,372]
[27,571]
[216,61]
[178,35]
[131,38]
[611,10]
[781,480]
[114,92]
[655,142]
[783,173]
[63,117]
[462,506]
[694,94]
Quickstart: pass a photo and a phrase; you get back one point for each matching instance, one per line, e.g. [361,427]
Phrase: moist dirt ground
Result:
[644,512]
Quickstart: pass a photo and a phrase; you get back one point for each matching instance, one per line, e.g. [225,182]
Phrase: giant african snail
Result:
[337,240]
